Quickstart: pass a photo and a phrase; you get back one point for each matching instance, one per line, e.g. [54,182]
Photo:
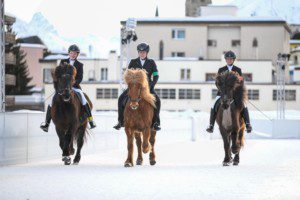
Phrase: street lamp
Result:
[127,35]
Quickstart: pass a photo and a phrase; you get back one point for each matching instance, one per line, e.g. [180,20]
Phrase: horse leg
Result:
[235,147]
[60,135]
[240,141]
[226,141]
[236,159]
[66,148]
[80,141]
[152,153]
[138,140]
[129,161]
[146,138]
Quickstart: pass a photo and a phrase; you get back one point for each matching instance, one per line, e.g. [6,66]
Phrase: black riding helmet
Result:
[143,47]
[230,54]
[74,47]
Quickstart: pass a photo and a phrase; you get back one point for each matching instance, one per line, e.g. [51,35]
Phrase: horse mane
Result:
[231,80]
[140,76]
[63,68]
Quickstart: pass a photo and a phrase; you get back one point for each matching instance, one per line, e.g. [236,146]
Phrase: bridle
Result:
[60,92]
[137,100]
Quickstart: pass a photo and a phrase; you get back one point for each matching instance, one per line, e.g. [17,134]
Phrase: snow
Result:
[269,169]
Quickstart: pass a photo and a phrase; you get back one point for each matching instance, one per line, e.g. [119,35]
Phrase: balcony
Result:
[10,59]
[10,80]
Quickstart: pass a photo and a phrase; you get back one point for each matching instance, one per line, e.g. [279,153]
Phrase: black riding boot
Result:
[45,126]
[90,117]
[212,120]
[121,107]
[156,117]
[245,115]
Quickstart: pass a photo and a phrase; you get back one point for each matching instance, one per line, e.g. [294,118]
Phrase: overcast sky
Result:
[98,17]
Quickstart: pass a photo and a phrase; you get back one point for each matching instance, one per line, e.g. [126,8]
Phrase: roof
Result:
[60,57]
[33,45]
[213,19]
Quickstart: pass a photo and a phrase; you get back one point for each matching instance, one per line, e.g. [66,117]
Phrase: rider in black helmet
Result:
[142,62]
[72,60]
[230,58]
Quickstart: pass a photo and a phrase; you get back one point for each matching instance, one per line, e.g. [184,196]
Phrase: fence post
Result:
[194,129]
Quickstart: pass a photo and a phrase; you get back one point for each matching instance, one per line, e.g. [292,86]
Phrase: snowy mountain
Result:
[57,42]
[285,9]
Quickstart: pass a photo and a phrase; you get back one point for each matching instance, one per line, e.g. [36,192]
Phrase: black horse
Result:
[229,119]
[67,113]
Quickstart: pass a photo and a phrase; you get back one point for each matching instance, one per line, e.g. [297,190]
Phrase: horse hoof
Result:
[235,163]
[152,162]
[128,165]
[225,164]
[75,163]
[67,160]
[139,162]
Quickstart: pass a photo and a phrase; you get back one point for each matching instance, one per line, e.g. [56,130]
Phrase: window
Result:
[185,74]
[210,76]
[178,34]
[247,77]
[235,43]
[214,93]
[178,54]
[290,95]
[166,93]
[47,76]
[189,94]
[103,74]
[253,94]
[107,93]
[91,75]
[212,43]
[254,43]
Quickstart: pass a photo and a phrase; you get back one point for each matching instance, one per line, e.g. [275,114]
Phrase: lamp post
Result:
[282,61]
[127,35]
[2,58]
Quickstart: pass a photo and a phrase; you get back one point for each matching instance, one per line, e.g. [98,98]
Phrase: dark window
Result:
[253,94]
[235,43]
[211,43]
[214,93]
[178,54]
[189,94]
[166,93]
[185,74]
[247,77]
[107,93]
[290,95]
[47,76]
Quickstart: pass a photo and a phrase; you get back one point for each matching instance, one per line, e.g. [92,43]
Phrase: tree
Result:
[20,70]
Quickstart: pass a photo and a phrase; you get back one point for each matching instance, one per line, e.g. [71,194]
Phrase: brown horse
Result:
[138,116]
[67,113]
[231,124]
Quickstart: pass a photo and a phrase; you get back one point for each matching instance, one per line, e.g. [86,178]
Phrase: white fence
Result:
[22,141]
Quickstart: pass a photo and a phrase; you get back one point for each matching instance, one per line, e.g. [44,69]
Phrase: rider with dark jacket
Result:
[230,58]
[142,62]
[72,60]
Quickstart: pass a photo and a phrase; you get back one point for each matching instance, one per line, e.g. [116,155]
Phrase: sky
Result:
[74,18]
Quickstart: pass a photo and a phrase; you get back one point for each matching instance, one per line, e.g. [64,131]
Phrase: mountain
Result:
[57,42]
[285,9]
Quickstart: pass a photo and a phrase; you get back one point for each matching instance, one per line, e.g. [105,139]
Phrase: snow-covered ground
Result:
[269,169]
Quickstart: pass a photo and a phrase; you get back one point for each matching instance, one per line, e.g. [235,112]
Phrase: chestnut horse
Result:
[229,119]
[138,116]
[67,113]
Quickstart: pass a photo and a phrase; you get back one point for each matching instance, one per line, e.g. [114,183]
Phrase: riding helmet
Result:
[143,47]
[230,54]
[74,47]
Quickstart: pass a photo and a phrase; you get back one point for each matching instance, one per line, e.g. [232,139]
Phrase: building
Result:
[207,38]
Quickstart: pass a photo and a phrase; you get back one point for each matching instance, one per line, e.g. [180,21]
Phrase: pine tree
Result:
[20,70]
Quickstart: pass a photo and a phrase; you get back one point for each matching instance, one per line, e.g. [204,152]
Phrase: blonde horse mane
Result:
[140,76]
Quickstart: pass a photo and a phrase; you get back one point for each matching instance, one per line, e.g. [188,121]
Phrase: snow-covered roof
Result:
[179,58]
[61,56]
[33,45]
[212,19]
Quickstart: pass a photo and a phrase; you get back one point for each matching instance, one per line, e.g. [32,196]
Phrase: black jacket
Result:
[149,66]
[79,67]
[225,68]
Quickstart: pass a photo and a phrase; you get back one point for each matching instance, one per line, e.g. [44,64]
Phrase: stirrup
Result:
[248,128]
[210,129]
[44,126]
[118,126]
[156,127]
